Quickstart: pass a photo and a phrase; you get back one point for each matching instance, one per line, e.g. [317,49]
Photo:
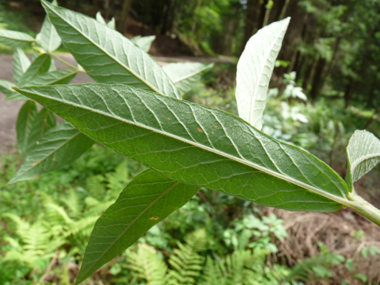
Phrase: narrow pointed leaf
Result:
[197,145]
[54,77]
[112,24]
[50,39]
[100,18]
[52,67]
[185,74]
[363,154]
[6,88]
[21,64]
[43,121]
[15,39]
[143,42]
[108,55]
[58,147]
[39,66]
[254,71]
[147,200]
[24,125]
[15,96]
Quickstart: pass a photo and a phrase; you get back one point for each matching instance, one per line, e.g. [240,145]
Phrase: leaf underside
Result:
[106,54]
[15,39]
[363,153]
[59,146]
[254,71]
[185,74]
[197,145]
[148,199]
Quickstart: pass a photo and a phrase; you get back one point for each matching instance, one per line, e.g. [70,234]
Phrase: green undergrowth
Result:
[213,239]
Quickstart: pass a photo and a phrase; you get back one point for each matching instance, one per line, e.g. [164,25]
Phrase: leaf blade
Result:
[110,56]
[59,146]
[254,71]
[185,74]
[15,39]
[363,154]
[139,207]
[143,42]
[21,64]
[38,67]
[43,121]
[6,88]
[24,124]
[203,144]
[50,39]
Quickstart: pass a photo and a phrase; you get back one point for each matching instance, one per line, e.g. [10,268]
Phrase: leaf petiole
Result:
[66,63]
[364,208]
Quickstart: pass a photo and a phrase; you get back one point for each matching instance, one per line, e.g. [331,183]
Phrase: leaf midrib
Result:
[289,179]
[132,222]
[253,100]
[115,59]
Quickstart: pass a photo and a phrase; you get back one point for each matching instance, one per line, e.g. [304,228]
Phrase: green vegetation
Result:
[138,112]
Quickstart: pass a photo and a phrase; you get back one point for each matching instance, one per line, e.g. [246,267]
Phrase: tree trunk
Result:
[124,15]
[283,10]
[317,79]
[251,17]
[348,92]
[309,74]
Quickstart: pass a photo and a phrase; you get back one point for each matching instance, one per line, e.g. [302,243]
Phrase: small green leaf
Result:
[15,39]
[143,42]
[54,77]
[363,154]
[21,64]
[6,88]
[147,200]
[43,121]
[254,71]
[107,54]
[39,66]
[185,74]
[58,147]
[24,124]
[50,39]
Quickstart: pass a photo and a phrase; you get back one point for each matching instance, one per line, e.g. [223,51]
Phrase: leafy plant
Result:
[137,111]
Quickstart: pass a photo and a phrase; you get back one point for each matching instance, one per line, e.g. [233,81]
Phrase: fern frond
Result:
[145,264]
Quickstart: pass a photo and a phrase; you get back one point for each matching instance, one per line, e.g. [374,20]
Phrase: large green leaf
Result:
[185,74]
[197,145]
[43,121]
[6,88]
[147,200]
[363,154]
[24,124]
[39,66]
[50,39]
[254,71]
[143,42]
[15,39]
[21,64]
[59,146]
[106,54]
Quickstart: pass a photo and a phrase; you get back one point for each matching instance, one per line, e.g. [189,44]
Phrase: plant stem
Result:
[65,62]
[364,208]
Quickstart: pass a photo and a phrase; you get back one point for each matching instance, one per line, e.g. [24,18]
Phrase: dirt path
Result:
[9,109]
